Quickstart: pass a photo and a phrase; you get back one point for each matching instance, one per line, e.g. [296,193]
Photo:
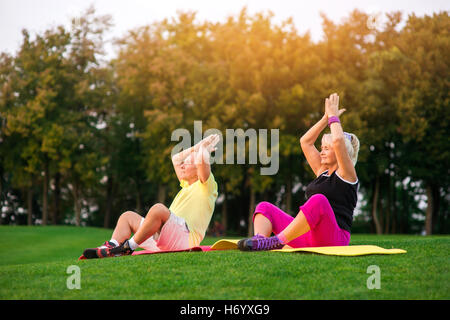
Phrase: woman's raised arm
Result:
[307,144]
[346,169]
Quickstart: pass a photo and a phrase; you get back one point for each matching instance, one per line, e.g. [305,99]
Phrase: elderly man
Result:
[181,226]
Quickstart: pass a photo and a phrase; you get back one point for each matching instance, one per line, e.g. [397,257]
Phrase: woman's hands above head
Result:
[345,167]
[332,106]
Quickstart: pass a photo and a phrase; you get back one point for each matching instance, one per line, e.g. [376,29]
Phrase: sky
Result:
[38,15]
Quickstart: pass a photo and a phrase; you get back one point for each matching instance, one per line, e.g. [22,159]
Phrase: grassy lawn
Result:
[34,262]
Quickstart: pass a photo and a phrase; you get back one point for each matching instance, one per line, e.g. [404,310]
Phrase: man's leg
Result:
[153,222]
[128,223]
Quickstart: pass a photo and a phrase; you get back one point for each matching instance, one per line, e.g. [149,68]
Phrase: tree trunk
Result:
[381,211]
[395,211]
[138,197]
[224,214]
[405,215]
[56,199]
[250,212]
[109,200]
[161,197]
[1,194]
[437,217]
[288,194]
[388,207]
[77,205]
[45,195]
[30,206]
[289,187]
[429,212]
[376,191]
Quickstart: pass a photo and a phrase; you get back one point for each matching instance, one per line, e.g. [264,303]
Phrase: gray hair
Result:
[351,143]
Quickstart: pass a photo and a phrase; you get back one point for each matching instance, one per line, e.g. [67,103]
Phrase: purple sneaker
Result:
[258,236]
[241,244]
[260,243]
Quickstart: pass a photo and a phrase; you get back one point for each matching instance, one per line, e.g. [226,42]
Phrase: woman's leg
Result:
[317,217]
[298,227]
[314,226]
[269,218]
[262,225]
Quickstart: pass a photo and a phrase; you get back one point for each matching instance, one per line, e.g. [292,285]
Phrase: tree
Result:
[50,85]
[424,102]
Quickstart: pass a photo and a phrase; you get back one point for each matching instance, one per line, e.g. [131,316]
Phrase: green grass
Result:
[34,261]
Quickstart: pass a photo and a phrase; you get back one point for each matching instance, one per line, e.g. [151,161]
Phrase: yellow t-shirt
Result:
[195,204]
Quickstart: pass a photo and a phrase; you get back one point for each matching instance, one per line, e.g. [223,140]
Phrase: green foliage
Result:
[98,133]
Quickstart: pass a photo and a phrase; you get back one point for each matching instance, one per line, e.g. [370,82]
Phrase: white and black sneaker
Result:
[104,251]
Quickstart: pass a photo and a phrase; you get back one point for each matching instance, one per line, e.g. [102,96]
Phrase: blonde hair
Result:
[352,146]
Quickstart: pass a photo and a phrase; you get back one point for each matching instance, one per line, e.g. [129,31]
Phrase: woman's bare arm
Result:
[307,144]
[346,170]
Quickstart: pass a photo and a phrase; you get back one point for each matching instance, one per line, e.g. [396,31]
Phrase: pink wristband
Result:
[333,119]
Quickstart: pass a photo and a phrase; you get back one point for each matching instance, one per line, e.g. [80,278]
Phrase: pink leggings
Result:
[324,230]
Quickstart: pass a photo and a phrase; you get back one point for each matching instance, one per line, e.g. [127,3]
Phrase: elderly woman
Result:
[183,224]
[326,217]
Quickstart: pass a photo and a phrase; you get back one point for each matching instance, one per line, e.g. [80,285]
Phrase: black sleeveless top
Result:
[342,196]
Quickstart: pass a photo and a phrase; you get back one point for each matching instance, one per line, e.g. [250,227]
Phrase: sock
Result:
[133,244]
[282,237]
[114,241]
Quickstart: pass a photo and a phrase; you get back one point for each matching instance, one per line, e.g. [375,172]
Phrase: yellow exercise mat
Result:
[225,244]
[349,251]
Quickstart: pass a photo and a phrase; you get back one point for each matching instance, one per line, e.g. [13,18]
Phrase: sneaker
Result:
[108,249]
[258,236]
[260,243]
[241,243]
[108,244]
[98,252]
[123,250]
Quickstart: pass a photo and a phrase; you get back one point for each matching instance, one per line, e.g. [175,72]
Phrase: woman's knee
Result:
[271,212]
[319,201]
[317,205]
[264,207]
[318,197]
